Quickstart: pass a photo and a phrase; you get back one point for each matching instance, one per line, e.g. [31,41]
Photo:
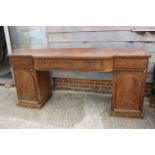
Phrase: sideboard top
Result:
[88,53]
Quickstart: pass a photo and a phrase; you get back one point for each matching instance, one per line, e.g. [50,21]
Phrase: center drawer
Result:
[88,65]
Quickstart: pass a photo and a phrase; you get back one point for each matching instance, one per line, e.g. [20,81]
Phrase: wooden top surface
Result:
[88,53]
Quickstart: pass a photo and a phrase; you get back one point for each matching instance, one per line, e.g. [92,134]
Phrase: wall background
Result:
[98,37]
[25,37]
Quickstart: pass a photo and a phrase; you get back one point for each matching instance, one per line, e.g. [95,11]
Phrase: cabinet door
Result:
[128,90]
[25,84]
[33,87]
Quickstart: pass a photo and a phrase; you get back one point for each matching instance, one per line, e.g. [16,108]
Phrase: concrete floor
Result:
[68,109]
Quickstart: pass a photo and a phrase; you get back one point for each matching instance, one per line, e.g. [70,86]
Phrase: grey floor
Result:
[68,109]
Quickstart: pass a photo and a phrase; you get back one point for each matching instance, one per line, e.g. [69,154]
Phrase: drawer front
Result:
[88,65]
[21,62]
[130,63]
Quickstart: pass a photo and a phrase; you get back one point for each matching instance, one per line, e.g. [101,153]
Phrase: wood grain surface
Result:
[88,53]
[129,67]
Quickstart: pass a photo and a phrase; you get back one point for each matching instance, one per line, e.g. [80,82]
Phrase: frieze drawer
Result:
[21,62]
[96,65]
[130,63]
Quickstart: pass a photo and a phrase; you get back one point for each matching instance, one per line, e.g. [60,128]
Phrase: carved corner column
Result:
[128,87]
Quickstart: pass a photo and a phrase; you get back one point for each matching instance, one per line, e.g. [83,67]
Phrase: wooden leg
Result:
[128,93]
[33,87]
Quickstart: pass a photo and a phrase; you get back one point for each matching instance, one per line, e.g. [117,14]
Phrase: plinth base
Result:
[33,104]
[127,114]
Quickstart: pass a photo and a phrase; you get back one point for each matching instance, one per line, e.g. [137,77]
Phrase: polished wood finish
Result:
[31,71]
[74,64]
[25,62]
[138,63]
[33,87]
[128,93]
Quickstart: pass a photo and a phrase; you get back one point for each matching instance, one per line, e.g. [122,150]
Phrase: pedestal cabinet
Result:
[31,71]
[33,87]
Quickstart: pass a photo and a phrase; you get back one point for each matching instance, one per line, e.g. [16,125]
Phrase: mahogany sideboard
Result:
[32,68]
